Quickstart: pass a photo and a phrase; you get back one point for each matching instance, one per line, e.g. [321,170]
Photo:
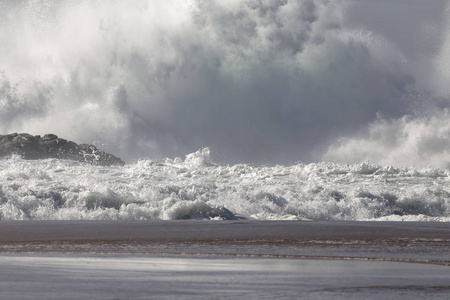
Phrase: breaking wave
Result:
[196,188]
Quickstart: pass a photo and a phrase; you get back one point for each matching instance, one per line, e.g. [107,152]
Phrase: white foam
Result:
[180,189]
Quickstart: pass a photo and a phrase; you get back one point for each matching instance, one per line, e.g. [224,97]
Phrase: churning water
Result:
[195,188]
[258,82]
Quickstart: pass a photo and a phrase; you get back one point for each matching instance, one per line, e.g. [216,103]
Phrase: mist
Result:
[262,82]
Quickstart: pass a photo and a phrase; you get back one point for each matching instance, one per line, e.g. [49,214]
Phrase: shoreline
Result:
[199,230]
[162,277]
[223,260]
[421,242]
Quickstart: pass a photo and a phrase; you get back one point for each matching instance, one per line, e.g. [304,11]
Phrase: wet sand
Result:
[376,240]
[218,230]
[224,260]
[184,277]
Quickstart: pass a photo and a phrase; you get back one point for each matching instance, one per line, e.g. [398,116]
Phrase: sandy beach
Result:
[224,260]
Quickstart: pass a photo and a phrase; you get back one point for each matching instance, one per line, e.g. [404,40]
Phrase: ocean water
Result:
[196,188]
[310,109]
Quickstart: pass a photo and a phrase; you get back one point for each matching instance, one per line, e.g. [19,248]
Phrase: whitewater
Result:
[196,188]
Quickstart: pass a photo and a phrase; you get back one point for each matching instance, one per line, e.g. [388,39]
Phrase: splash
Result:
[196,188]
[256,81]
[420,141]
[419,138]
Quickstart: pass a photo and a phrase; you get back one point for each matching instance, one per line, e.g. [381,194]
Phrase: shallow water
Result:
[124,277]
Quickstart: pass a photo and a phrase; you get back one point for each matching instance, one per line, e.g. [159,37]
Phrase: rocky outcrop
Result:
[50,146]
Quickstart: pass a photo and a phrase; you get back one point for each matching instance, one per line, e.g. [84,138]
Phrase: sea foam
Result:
[196,188]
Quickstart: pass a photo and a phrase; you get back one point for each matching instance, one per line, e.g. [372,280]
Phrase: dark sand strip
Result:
[388,241]
[189,230]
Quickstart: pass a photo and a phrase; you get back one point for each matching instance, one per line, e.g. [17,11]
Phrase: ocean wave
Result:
[196,188]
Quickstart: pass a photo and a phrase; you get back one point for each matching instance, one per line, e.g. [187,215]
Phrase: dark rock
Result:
[50,146]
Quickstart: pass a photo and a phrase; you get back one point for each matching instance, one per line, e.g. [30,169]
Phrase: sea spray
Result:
[259,82]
